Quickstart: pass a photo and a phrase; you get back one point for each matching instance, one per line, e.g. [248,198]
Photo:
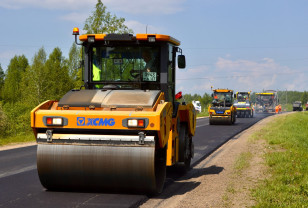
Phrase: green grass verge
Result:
[26,137]
[287,159]
[202,114]
[242,162]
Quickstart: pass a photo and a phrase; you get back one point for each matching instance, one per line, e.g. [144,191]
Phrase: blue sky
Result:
[236,44]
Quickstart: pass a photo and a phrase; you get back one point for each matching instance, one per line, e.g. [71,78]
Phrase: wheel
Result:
[211,121]
[185,149]
[233,119]
[230,120]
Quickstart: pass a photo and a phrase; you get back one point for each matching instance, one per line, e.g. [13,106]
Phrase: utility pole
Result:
[286,96]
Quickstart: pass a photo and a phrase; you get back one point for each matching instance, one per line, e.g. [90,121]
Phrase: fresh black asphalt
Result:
[20,185]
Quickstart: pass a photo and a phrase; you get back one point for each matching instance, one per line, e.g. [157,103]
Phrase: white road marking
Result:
[202,125]
[9,173]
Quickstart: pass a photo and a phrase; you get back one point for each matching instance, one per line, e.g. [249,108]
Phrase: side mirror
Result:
[181,61]
[178,95]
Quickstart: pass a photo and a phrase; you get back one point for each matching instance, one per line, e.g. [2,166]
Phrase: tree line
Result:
[25,84]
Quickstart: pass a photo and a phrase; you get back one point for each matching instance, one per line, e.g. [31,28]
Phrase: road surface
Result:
[20,185]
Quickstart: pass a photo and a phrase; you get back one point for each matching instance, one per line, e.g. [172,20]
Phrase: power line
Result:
[276,61]
[239,76]
[248,47]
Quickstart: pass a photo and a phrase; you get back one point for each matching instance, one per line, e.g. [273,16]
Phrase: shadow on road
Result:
[195,173]
[179,184]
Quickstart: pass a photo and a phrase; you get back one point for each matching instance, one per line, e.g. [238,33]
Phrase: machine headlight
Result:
[50,121]
[91,39]
[136,123]
[152,39]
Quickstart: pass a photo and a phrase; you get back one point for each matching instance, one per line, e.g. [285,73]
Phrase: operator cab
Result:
[127,62]
[242,97]
[222,98]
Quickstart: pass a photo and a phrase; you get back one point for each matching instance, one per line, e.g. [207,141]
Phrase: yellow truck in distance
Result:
[221,110]
[243,105]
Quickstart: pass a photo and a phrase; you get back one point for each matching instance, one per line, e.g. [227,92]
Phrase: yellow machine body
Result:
[266,101]
[222,111]
[125,127]
[243,105]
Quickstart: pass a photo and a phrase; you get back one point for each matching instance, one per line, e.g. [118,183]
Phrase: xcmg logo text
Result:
[82,121]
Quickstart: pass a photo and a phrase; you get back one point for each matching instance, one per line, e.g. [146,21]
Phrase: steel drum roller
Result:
[100,167]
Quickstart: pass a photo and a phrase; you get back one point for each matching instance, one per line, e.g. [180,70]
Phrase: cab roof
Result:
[243,93]
[130,37]
[222,90]
[265,93]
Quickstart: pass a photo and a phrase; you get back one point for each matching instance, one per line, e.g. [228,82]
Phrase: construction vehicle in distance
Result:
[125,127]
[297,106]
[197,105]
[221,110]
[266,101]
[243,105]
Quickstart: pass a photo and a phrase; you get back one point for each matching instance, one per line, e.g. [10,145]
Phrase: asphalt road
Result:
[20,185]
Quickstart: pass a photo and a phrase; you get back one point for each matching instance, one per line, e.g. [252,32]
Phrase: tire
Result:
[234,119]
[230,120]
[184,149]
[211,121]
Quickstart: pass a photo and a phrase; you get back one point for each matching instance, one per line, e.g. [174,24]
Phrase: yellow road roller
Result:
[243,105]
[120,131]
[222,111]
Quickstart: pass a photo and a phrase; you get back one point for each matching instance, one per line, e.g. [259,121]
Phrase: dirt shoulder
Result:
[224,179]
[14,146]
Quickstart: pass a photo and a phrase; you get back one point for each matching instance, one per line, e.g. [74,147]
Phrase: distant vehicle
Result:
[266,101]
[197,105]
[222,110]
[243,105]
[297,106]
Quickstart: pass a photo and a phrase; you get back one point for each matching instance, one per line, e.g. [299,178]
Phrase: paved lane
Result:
[20,186]
[17,161]
[209,137]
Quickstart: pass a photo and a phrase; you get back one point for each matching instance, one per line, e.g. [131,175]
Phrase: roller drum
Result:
[101,167]
[220,120]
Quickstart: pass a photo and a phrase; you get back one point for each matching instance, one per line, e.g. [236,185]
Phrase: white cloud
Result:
[157,7]
[48,4]
[241,75]
[139,27]
[75,17]
[131,7]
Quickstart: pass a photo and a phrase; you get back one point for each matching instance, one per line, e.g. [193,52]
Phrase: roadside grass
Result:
[202,114]
[26,137]
[242,162]
[287,160]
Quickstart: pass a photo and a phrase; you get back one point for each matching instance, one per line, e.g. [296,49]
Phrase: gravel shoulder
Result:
[218,181]
[14,146]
